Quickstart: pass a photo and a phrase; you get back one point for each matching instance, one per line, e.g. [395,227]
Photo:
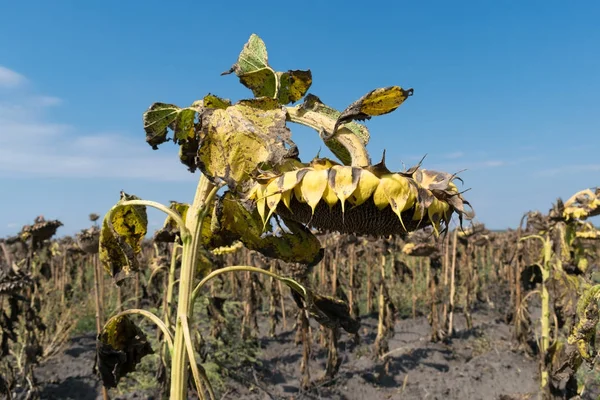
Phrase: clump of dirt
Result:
[481,363]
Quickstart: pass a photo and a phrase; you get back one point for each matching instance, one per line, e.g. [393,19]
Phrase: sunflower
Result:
[372,200]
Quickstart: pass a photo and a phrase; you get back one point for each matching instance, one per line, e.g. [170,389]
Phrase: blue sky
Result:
[507,90]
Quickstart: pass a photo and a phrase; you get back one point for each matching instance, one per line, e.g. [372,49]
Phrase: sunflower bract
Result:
[348,199]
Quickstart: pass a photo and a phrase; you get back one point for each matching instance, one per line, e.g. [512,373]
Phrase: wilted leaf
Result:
[419,249]
[121,346]
[161,116]
[182,121]
[293,85]
[327,311]
[236,140]
[121,238]
[377,102]
[212,101]
[169,232]
[235,222]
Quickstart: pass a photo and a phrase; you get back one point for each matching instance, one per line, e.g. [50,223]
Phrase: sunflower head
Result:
[360,200]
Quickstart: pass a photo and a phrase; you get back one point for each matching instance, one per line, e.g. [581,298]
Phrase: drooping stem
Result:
[324,123]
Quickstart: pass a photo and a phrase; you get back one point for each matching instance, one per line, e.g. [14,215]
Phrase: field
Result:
[292,279]
[253,333]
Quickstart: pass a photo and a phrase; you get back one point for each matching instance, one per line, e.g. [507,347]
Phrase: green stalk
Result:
[171,283]
[191,246]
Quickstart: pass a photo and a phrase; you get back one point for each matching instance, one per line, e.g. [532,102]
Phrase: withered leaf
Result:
[376,102]
[212,101]
[121,238]
[170,231]
[293,85]
[121,346]
[161,117]
[239,138]
[327,311]
[235,222]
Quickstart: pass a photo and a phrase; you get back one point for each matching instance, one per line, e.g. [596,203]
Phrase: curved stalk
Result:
[290,282]
[148,203]
[344,136]
[152,318]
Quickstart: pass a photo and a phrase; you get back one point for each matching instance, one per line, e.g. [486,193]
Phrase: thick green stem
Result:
[191,245]
[324,123]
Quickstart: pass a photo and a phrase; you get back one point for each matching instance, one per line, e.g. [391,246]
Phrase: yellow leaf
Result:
[313,186]
[383,100]
[344,180]
[367,183]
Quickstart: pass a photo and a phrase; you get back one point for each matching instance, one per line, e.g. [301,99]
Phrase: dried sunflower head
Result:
[359,200]
[583,204]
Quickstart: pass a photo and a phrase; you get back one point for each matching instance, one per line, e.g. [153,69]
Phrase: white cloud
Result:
[455,155]
[568,170]
[11,225]
[31,146]
[10,78]
[493,163]
[46,101]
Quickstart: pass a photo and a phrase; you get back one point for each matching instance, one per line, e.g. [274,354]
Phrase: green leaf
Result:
[262,82]
[121,346]
[252,58]
[376,102]
[254,72]
[121,238]
[212,101]
[239,138]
